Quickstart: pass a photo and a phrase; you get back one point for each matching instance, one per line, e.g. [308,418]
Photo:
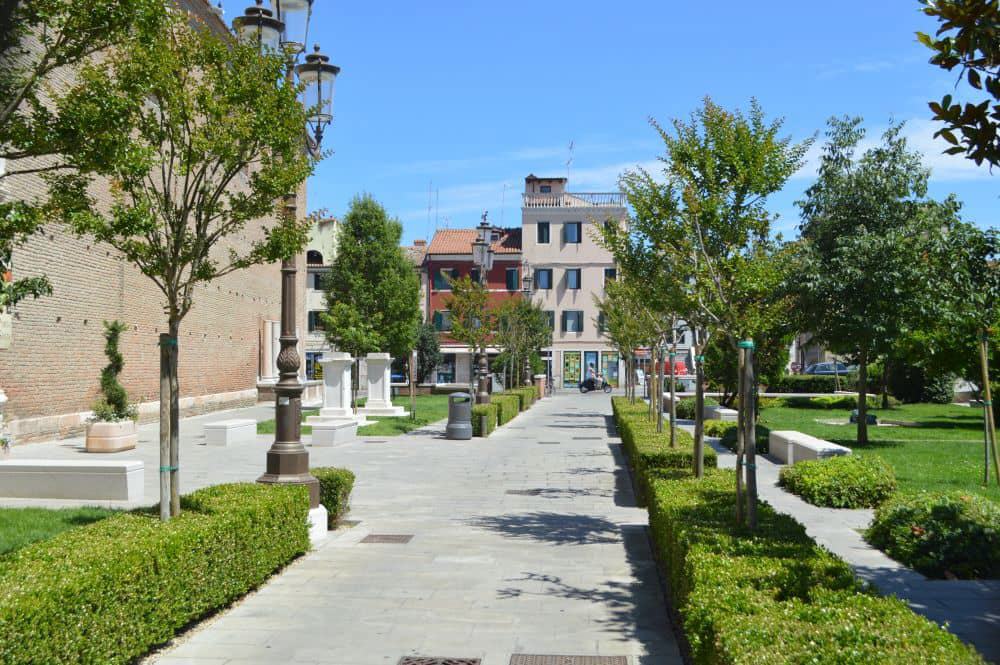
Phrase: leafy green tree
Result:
[372,293]
[208,139]
[472,321]
[428,351]
[522,329]
[967,39]
[37,37]
[626,322]
[864,272]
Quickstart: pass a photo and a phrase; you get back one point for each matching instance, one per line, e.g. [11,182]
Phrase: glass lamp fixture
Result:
[482,250]
[318,77]
[294,15]
[258,26]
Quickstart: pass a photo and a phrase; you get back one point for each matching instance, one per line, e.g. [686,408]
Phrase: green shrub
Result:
[526,395]
[848,481]
[686,410]
[770,402]
[728,438]
[913,384]
[507,405]
[833,402]
[109,591]
[480,410]
[808,383]
[335,487]
[649,450]
[776,597]
[718,428]
[938,533]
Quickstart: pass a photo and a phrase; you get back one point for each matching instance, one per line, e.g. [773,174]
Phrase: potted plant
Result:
[112,427]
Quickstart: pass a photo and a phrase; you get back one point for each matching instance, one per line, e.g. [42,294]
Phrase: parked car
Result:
[828,369]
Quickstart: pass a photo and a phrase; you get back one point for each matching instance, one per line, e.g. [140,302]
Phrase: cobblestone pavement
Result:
[526,542]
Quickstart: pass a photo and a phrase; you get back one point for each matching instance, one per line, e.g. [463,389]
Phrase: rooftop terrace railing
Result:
[575,200]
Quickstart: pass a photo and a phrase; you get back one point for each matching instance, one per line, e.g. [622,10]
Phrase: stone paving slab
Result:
[566,570]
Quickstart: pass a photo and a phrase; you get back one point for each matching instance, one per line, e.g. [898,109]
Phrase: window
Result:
[573,278]
[551,313]
[610,274]
[474,275]
[314,258]
[571,233]
[543,278]
[316,281]
[446,370]
[572,321]
[442,320]
[542,233]
[602,326]
[315,322]
[546,189]
[513,282]
[441,278]
[314,370]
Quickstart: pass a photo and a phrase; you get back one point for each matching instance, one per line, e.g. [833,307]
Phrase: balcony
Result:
[575,200]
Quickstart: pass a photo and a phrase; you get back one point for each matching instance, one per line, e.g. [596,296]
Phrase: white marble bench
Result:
[716,412]
[790,447]
[71,479]
[225,432]
[326,434]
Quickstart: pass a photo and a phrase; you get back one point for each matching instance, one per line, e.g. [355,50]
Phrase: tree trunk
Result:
[741,432]
[699,412]
[885,384]
[673,400]
[659,388]
[863,400]
[175,417]
[991,438]
[165,342]
[750,437]
[413,385]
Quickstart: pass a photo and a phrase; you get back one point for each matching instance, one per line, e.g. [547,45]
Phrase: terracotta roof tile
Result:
[459,241]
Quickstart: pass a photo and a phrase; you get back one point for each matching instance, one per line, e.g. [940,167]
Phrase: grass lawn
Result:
[22,526]
[937,447]
[430,408]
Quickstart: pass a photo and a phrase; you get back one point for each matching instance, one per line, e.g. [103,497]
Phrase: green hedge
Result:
[848,481]
[938,533]
[490,411]
[649,450]
[809,383]
[686,407]
[526,395]
[718,428]
[507,405]
[335,487]
[776,597]
[109,591]
[728,438]
[834,402]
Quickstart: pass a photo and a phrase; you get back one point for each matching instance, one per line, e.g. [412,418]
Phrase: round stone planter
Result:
[106,437]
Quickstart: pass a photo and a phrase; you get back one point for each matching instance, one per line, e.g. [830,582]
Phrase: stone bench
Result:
[326,434]
[71,479]
[716,412]
[225,432]
[791,447]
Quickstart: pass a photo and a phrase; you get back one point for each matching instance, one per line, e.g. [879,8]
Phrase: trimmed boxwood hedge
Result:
[335,487]
[847,481]
[938,533]
[809,383]
[686,410]
[526,395]
[776,597]
[478,411]
[507,405]
[109,591]
[729,437]
[649,450]
[717,428]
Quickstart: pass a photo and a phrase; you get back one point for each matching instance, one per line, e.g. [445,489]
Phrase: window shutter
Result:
[437,320]
[563,317]
[579,321]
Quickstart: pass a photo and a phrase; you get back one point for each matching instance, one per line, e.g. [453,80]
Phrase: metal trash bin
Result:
[459,416]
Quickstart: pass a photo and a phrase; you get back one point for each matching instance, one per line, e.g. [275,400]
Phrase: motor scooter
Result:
[588,385]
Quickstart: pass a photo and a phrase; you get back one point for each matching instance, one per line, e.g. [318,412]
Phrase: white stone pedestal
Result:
[336,395]
[379,389]
[317,525]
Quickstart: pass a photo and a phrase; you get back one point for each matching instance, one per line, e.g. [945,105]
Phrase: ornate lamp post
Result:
[482,256]
[526,281]
[285,26]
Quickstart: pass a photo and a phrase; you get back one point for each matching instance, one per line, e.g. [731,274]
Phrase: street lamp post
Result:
[482,257]
[285,27]
[526,281]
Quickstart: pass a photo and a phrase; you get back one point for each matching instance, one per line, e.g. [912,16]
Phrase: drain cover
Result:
[425,660]
[526,659]
[395,538]
[549,443]
[535,492]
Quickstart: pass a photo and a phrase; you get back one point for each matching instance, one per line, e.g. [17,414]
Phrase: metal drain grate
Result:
[549,443]
[534,492]
[425,660]
[587,438]
[393,538]
[527,659]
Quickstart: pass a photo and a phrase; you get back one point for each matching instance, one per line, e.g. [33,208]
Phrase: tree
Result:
[208,139]
[967,38]
[626,322]
[472,323]
[428,351]
[864,272]
[372,293]
[522,330]
[63,33]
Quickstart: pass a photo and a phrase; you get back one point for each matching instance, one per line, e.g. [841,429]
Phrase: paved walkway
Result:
[970,607]
[528,542]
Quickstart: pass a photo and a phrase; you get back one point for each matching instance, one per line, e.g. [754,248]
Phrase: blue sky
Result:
[467,97]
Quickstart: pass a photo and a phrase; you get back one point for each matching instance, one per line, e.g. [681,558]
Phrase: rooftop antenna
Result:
[570,160]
